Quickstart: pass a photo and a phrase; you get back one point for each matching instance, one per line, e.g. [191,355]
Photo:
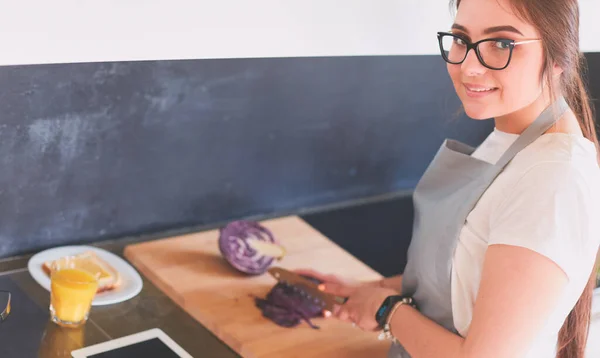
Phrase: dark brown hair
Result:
[557,22]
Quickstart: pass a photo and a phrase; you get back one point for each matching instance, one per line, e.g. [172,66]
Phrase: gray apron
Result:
[443,198]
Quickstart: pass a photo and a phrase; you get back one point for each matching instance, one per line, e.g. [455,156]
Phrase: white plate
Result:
[131,282]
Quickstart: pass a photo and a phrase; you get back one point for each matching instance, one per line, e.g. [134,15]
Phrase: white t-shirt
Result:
[547,199]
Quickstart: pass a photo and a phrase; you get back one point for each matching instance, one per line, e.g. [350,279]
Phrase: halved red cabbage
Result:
[235,248]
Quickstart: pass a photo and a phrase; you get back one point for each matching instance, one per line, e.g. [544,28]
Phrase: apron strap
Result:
[544,122]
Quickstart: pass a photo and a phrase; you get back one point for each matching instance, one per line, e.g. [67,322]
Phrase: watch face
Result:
[384,309]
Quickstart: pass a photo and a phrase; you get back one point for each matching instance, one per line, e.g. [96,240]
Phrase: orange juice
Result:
[72,292]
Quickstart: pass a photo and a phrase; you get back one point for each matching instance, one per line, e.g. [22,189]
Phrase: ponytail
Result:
[578,98]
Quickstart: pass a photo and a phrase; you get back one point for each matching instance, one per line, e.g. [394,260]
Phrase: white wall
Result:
[589,27]
[42,31]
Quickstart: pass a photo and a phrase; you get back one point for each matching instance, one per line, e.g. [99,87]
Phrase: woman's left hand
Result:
[361,306]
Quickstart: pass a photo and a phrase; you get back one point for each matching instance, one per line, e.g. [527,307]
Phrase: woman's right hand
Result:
[335,283]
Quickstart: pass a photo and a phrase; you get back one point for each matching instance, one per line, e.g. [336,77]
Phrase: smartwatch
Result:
[388,304]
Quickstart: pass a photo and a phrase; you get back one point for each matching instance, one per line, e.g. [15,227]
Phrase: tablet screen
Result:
[153,343]
[153,348]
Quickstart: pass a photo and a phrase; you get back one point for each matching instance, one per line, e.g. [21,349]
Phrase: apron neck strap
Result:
[542,123]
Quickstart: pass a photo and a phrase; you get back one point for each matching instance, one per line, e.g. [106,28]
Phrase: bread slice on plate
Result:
[89,261]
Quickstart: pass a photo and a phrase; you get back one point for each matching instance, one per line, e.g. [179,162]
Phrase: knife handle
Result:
[312,279]
[339,299]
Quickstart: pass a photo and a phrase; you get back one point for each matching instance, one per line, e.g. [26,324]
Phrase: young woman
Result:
[505,236]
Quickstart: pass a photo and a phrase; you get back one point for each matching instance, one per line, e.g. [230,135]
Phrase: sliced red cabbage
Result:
[287,306]
[235,244]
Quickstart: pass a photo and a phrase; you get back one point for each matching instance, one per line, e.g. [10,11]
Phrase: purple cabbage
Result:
[287,306]
[236,250]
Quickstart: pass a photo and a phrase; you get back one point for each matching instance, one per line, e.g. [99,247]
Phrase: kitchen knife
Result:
[308,286]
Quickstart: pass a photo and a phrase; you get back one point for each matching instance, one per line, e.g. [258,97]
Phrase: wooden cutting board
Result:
[191,271]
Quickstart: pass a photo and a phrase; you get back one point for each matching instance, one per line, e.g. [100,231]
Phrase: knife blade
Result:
[4,305]
[309,287]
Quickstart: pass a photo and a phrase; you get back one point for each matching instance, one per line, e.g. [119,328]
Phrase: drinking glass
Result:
[72,291]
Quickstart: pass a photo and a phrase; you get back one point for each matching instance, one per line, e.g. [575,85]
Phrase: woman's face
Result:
[487,93]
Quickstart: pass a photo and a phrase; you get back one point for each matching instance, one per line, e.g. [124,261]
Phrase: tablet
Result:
[153,343]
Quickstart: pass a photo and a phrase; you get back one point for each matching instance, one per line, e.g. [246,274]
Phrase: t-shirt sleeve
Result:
[549,211]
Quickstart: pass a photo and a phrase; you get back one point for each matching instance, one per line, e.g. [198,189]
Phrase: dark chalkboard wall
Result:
[101,150]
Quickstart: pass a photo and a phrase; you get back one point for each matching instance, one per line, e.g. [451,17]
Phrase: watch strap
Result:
[386,332]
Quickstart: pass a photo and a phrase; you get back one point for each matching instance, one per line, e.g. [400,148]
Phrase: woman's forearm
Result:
[422,337]
[499,327]
[393,282]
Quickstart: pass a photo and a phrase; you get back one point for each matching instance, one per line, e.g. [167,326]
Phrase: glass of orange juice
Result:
[72,290]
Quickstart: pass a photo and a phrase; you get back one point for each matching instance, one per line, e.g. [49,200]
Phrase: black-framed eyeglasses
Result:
[4,305]
[493,53]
